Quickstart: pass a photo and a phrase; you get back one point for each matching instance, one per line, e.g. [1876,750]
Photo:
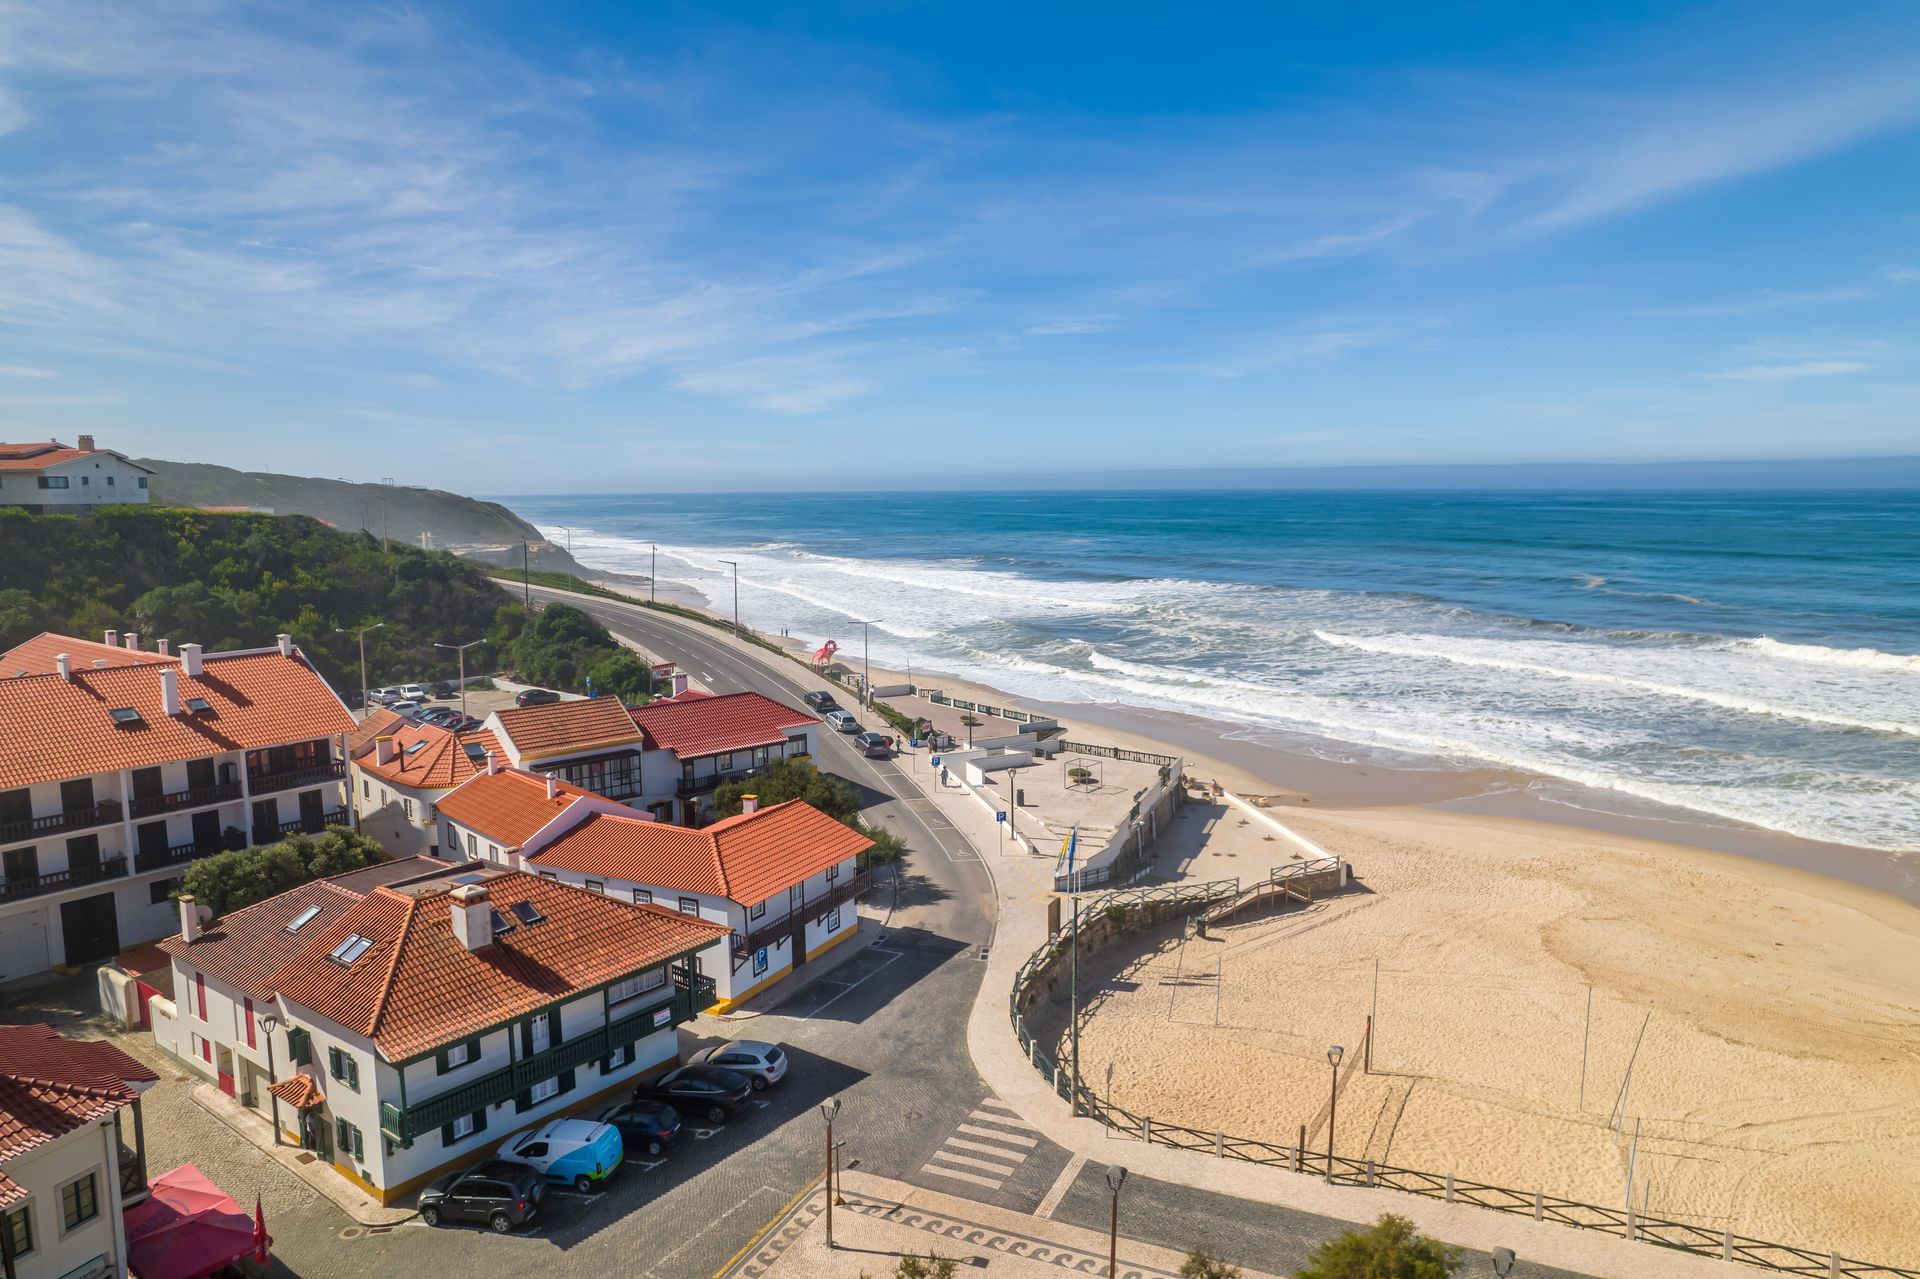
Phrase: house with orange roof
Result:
[433,1018]
[72,1154]
[49,478]
[591,743]
[120,765]
[398,774]
[783,880]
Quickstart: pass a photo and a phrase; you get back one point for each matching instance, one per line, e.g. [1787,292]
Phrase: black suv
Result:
[820,701]
[504,1195]
[442,689]
[712,1091]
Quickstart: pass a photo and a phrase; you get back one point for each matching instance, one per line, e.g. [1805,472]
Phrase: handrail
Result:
[192,797]
[104,813]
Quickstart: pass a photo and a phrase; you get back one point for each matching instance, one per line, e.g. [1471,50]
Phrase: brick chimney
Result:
[133,640]
[749,804]
[86,444]
[63,664]
[472,916]
[163,647]
[193,917]
[383,750]
[169,691]
[190,660]
[286,644]
[112,639]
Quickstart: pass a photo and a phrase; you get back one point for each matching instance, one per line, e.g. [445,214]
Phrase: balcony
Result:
[105,813]
[701,785]
[775,931]
[300,826]
[192,850]
[510,1081]
[292,779]
[180,801]
[14,890]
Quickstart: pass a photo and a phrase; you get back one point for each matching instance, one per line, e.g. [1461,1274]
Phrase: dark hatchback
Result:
[712,1091]
[441,688]
[505,1196]
[650,1126]
[535,697]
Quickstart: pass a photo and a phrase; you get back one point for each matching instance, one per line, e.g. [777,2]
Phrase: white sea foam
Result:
[1819,655]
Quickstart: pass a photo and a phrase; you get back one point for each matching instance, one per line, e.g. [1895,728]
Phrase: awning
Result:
[298,1091]
[188,1229]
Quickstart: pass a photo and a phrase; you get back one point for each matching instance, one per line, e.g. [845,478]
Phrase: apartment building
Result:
[398,773]
[48,477]
[118,766]
[696,741]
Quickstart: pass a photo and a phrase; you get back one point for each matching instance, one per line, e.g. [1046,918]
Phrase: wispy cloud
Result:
[1791,372]
[24,370]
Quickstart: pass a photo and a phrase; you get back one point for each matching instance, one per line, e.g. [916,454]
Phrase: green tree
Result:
[1388,1249]
[335,851]
[232,881]
[624,674]
[1201,1264]
[786,779]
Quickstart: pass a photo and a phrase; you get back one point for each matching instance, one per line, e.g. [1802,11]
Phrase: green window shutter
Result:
[359,1146]
[526,1039]
[333,1063]
[566,1083]
[343,1135]
[473,1051]
[353,1074]
[480,1119]
[523,1102]
[300,1044]
[446,1134]
[440,1066]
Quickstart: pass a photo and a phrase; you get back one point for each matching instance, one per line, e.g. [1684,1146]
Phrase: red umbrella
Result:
[261,1239]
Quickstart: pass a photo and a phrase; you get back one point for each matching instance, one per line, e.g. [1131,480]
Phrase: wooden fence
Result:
[1152,905]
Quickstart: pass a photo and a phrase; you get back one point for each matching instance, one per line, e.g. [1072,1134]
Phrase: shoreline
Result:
[1301,780]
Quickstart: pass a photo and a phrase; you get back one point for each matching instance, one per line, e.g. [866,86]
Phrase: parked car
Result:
[404,707]
[712,1091]
[874,745]
[820,701]
[384,696]
[442,689]
[571,1152]
[463,724]
[762,1063]
[535,697]
[651,1126]
[352,699]
[842,721]
[504,1195]
[414,692]
[443,716]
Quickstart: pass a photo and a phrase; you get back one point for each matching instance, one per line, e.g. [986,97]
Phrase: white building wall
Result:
[97,479]
[43,1171]
[403,819]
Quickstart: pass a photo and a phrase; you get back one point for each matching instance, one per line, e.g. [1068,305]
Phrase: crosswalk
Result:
[986,1148]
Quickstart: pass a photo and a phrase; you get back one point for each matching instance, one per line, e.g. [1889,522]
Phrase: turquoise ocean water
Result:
[1753,656]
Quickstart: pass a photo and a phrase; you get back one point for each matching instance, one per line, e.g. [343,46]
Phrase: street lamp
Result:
[653,575]
[1333,1103]
[569,533]
[736,596]
[828,1109]
[362,634]
[1116,1178]
[866,662]
[838,1197]
[268,1024]
[1503,1260]
[461,649]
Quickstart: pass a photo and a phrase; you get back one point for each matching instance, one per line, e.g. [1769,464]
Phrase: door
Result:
[540,1032]
[225,1070]
[206,831]
[23,944]
[200,773]
[83,856]
[148,784]
[92,927]
[316,1134]
[22,867]
[797,939]
[76,796]
[266,821]
[152,843]
[312,810]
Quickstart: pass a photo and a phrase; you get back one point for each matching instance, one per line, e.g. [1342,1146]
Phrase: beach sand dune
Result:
[1771,1020]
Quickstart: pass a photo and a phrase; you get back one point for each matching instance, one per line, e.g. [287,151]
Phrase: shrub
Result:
[1388,1249]
[227,882]
[1201,1264]
[887,846]
[786,779]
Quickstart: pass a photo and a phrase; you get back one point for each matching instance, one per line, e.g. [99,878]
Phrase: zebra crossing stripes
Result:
[989,1153]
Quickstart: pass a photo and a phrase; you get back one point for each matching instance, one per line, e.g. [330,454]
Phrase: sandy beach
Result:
[1776,1086]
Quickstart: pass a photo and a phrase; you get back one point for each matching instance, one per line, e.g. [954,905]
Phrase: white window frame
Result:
[459,1055]
[460,1133]
[551,1085]
[60,1197]
[643,897]
[757,911]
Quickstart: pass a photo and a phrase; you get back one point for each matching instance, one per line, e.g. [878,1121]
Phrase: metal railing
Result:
[262,783]
[59,880]
[193,797]
[1118,752]
[104,813]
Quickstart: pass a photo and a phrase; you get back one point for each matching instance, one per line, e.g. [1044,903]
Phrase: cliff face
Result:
[479,530]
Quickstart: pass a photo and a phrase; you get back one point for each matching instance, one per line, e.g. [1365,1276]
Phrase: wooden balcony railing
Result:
[78,876]
[104,813]
[179,801]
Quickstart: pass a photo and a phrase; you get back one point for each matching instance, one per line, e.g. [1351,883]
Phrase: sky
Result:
[623,247]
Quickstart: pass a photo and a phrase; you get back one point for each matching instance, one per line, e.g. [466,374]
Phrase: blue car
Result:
[571,1152]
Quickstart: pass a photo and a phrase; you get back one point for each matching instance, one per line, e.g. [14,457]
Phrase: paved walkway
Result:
[304,1164]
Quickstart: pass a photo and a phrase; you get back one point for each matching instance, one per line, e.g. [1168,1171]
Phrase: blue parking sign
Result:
[1000,817]
[936,761]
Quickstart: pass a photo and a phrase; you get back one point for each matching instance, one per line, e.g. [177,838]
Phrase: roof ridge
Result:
[393,961]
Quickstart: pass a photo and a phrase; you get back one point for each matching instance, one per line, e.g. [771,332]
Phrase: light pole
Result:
[461,649]
[828,1109]
[268,1024]
[1503,1260]
[736,596]
[1073,1009]
[569,533]
[866,663]
[1333,1103]
[653,576]
[362,635]
[1116,1178]
[838,1198]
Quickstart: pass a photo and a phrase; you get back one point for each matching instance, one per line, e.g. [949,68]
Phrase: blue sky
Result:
[617,247]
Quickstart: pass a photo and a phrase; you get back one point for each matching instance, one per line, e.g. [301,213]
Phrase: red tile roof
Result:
[510,806]
[51,1086]
[377,724]
[52,729]
[417,988]
[567,728]
[35,656]
[36,457]
[747,858]
[710,725]
[299,1091]
[429,758]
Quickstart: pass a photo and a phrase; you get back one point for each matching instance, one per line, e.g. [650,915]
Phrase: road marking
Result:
[991,1183]
[1058,1191]
[823,1007]
[986,1118]
[997,1136]
[758,1235]
[998,1152]
[968,1161]
[701,1134]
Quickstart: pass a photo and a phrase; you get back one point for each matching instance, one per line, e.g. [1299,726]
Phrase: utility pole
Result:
[569,533]
[526,575]
[736,596]
[361,634]
[461,649]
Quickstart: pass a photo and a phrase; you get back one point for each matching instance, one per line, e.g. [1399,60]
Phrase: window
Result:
[459,1055]
[160,890]
[794,898]
[18,1226]
[642,896]
[349,950]
[366,789]
[689,905]
[406,806]
[596,886]
[304,918]
[342,1066]
[757,910]
[348,1139]
[493,851]
[202,1046]
[141,481]
[53,481]
[726,761]
[85,480]
[462,1127]
[833,920]
[833,872]
[473,847]
[544,1089]
[635,986]
[79,1202]
[109,481]
[248,1013]
[200,995]
[621,1056]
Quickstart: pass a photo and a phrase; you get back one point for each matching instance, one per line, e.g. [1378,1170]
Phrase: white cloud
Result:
[1791,372]
[22,370]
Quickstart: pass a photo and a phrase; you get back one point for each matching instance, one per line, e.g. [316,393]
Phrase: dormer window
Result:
[125,716]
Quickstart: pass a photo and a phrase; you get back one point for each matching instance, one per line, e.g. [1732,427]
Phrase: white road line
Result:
[984,1117]
[1058,1190]
[742,1202]
[998,1152]
[823,1007]
[994,1103]
[985,1165]
[996,1136]
[991,1183]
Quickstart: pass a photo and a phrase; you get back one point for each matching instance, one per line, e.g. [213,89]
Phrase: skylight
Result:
[349,950]
[199,706]
[417,746]
[528,914]
[301,920]
[475,752]
[125,716]
[500,924]
[469,878]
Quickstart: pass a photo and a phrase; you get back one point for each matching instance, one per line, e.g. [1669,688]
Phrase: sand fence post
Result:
[1220,1145]
[1449,1187]
[1369,1174]
[1833,1264]
[1300,1151]
[1631,1232]
[1539,1206]
[1146,1129]
[1726,1244]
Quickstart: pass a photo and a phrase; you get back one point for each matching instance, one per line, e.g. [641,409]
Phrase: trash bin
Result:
[1020,798]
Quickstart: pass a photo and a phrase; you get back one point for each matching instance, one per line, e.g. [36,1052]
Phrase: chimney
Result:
[493,763]
[163,647]
[99,663]
[133,640]
[472,916]
[749,804]
[679,683]
[553,786]
[286,644]
[113,638]
[86,444]
[190,660]
[193,917]
[63,663]
[169,691]
[383,750]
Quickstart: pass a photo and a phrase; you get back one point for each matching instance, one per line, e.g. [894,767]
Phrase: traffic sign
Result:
[1000,817]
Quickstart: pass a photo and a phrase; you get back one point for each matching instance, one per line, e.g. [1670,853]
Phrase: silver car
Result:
[765,1064]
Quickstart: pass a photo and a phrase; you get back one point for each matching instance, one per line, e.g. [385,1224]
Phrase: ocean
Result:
[1749,656]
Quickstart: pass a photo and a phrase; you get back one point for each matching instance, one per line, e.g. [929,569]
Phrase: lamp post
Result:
[268,1024]
[1333,1103]
[1503,1260]
[828,1109]
[736,596]
[361,634]
[461,649]
[653,575]
[866,663]
[1116,1178]
[569,533]
[838,1198]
